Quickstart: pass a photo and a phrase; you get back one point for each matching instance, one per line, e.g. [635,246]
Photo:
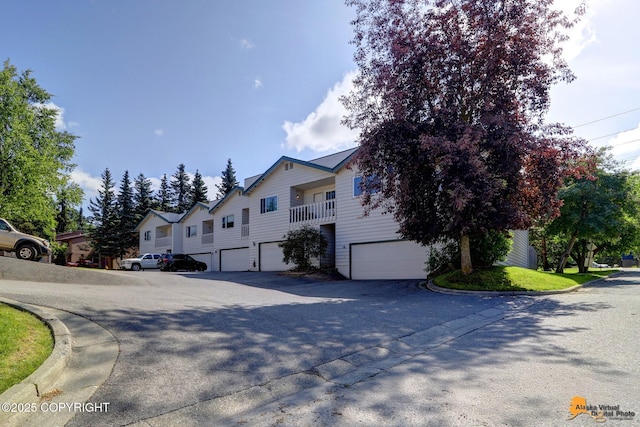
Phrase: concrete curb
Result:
[41,380]
[433,287]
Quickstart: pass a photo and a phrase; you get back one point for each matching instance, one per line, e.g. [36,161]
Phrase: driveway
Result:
[215,346]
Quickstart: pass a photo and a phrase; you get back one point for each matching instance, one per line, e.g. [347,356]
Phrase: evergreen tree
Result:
[163,199]
[142,196]
[229,180]
[180,190]
[67,218]
[104,233]
[127,237]
[198,189]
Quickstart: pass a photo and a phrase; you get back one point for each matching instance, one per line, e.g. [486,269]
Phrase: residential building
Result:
[244,228]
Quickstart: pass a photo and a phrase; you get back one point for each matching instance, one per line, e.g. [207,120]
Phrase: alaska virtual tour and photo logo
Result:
[600,413]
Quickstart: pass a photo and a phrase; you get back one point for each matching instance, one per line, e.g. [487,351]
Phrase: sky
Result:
[147,85]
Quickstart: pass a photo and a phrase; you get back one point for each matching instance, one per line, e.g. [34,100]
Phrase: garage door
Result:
[271,258]
[388,260]
[234,259]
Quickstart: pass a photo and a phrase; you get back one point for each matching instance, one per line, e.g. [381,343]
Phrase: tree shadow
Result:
[171,359]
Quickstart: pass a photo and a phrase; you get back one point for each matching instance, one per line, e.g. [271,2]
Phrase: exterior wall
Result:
[353,227]
[519,255]
[229,238]
[194,245]
[150,224]
[273,226]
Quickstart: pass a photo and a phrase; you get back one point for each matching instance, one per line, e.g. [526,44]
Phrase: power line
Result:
[613,134]
[608,117]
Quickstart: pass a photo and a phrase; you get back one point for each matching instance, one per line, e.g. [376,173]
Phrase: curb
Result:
[435,288]
[41,380]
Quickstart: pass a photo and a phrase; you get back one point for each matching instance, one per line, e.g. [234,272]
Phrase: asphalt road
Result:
[204,348]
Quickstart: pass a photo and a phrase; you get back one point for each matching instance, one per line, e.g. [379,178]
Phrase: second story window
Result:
[228,221]
[191,230]
[147,236]
[269,204]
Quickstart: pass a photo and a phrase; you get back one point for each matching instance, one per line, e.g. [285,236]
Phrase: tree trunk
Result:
[565,255]
[543,254]
[465,254]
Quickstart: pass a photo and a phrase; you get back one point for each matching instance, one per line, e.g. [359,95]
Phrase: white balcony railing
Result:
[314,213]
[207,239]
[163,241]
[244,231]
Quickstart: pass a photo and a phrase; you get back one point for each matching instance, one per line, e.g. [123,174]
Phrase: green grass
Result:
[25,342]
[517,279]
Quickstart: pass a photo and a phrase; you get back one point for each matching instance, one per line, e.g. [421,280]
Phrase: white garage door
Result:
[388,260]
[271,258]
[234,259]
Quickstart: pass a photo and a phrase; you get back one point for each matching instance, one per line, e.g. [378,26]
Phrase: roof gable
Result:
[234,192]
[330,164]
[168,217]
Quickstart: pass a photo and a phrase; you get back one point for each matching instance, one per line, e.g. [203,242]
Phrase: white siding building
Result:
[241,231]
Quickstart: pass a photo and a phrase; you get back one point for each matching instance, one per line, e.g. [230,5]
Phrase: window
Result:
[191,230]
[228,221]
[147,236]
[373,182]
[269,204]
[330,195]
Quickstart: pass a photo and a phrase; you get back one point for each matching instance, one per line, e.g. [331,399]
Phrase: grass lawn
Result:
[517,279]
[25,342]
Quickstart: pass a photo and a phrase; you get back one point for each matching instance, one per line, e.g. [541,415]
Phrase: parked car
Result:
[141,262]
[175,262]
[24,245]
[598,265]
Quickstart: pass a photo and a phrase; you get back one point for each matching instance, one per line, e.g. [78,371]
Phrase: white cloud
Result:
[246,44]
[89,184]
[60,125]
[582,34]
[626,148]
[257,83]
[322,129]
[159,132]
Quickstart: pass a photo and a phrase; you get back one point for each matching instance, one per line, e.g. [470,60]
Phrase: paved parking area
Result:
[213,348]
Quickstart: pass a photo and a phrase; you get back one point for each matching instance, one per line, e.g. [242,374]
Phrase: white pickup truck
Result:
[143,262]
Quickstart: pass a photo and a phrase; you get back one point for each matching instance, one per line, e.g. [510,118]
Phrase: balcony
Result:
[314,213]
[244,232]
[207,239]
[163,241]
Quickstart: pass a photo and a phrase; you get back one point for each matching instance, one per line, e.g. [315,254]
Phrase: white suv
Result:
[24,245]
[142,262]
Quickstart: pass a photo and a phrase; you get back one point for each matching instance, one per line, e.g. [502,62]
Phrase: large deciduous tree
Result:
[450,100]
[35,157]
[598,214]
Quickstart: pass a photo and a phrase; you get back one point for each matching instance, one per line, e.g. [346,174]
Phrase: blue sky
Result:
[150,84]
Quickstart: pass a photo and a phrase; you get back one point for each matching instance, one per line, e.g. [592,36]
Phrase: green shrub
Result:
[486,250]
[302,245]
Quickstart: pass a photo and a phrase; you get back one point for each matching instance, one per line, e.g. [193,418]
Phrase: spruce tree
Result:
[104,233]
[229,180]
[198,189]
[127,237]
[164,195]
[180,190]
[142,196]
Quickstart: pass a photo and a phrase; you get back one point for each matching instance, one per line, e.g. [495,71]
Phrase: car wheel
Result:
[201,268]
[135,267]
[174,269]
[27,252]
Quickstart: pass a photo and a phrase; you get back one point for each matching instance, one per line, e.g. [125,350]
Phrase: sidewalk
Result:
[82,359]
